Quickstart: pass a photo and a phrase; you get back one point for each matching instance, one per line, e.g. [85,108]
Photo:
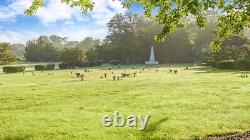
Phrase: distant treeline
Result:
[129,40]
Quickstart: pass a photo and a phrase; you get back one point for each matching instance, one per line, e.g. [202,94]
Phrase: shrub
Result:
[242,63]
[63,66]
[227,64]
[39,67]
[13,69]
[50,67]
[70,66]
[45,67]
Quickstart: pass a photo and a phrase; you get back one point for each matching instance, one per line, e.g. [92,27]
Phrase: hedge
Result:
[242,63]
[63,66]
[50,67]
[70,66]
[13,69]
[228,64]
[39,67]
[45,67]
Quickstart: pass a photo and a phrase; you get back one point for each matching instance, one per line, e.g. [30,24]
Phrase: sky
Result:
[56,19]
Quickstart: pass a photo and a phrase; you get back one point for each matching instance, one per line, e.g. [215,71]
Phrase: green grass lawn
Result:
[187,105]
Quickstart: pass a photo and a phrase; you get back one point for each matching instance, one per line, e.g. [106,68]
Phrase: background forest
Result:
[129,40]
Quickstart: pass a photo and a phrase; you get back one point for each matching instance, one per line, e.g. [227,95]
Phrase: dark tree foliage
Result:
[6,54]
[40,50]
[72,56]
[131,36]
[232,49]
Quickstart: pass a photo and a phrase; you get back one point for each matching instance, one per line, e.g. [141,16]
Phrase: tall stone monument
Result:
[152,60]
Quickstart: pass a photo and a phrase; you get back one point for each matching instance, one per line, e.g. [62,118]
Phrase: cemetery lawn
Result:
[191,104]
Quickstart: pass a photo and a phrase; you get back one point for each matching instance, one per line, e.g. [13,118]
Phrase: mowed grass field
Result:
[191,104]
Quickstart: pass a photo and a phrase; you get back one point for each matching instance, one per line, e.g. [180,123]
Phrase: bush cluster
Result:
[45,67]
[242,63]
[13,69]
[70,66]
[50,67]
[63,66]
[227,64]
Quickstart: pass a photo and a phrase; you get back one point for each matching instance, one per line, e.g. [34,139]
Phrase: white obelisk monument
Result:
[152,58]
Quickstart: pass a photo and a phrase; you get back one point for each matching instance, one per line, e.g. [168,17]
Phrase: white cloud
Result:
[16,37]
[75,33]
[69,22]
[76,26]
[14,9]
[104,10]
[55,11]
[79,33]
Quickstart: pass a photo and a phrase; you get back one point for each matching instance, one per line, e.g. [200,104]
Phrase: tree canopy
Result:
[41,50]
[6,55]
[72,56]
[234,15]
[130,35]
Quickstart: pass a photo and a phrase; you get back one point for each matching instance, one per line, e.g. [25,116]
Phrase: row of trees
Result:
[129,40]
[43,52]
[48,49]
[131,36]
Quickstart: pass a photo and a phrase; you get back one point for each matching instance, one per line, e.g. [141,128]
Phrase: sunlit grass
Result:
[192,103]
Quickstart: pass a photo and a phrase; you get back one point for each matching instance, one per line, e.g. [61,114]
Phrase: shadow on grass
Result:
[151,129]
[25,106]
[26,137]
[203,70]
